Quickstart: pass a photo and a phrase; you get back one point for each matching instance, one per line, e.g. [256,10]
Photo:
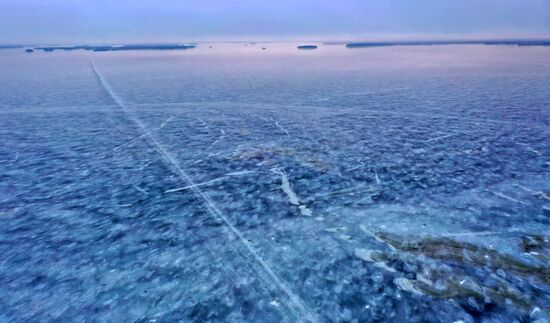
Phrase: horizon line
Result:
[251,40]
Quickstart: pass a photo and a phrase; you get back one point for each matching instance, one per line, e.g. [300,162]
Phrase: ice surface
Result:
[241,184]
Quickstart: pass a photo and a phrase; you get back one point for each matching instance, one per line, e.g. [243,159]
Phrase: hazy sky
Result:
[70,21]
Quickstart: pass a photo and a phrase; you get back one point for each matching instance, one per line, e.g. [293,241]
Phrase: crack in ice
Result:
[144,135]
[292,196]
[282,129]
[506,197]
[442,137]
[240,173]
[222,136]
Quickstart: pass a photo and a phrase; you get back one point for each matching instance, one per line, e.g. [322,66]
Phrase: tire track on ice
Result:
[295,305]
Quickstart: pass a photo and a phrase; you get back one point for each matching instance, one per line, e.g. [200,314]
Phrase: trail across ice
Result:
[293,303]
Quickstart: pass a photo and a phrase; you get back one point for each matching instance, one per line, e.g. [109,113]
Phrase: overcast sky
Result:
[108,21]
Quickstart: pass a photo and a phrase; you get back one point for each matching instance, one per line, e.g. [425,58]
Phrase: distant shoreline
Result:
[449,42]
[109,48]
[348,44]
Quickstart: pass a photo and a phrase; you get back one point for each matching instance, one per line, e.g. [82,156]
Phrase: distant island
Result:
[307,47]
[450,42]
[366,44]
[107,48]
[10,46]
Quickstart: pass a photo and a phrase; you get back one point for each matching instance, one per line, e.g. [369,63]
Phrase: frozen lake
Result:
[233,183]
